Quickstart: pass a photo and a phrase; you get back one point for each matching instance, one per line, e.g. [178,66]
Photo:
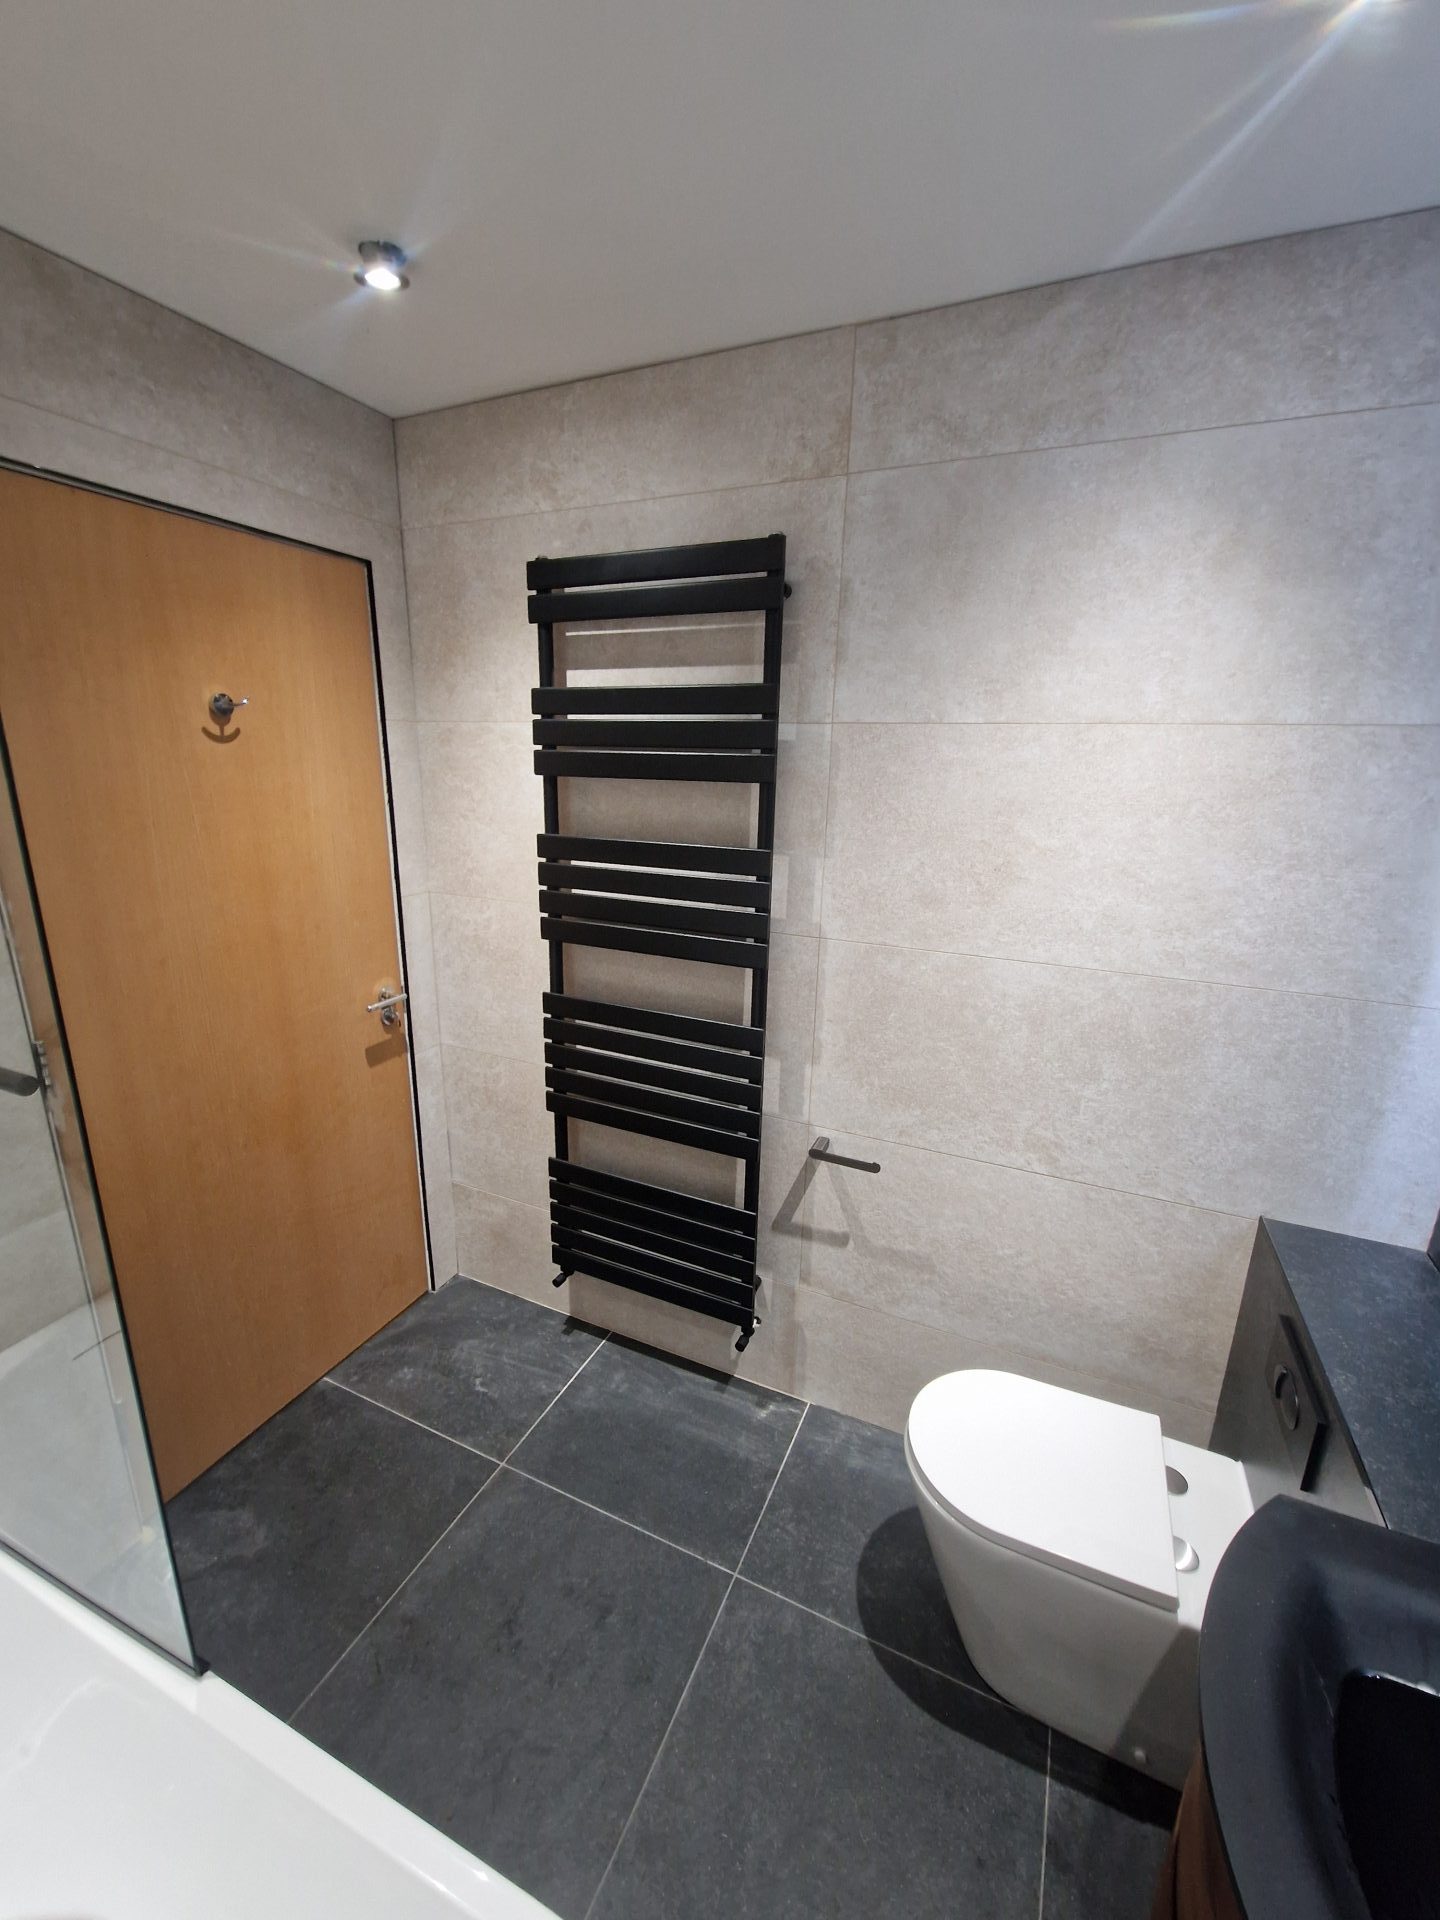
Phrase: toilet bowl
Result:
[1076,1546]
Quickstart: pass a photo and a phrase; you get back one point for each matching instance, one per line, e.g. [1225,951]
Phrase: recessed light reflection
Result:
[381,267]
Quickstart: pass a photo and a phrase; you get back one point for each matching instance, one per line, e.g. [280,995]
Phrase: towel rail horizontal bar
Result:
[716,1114]
[679,1273]
[619,1275]
[674,946]
[658,563]
[736,1265]
[716,736]
[646,1193]
[742,594]
[655,1126]
[697,1233]
[646,1073]
[718,696]
[660,886]
[585,763]
[645,1046]
[677,1026]
[679,855]
[731,923]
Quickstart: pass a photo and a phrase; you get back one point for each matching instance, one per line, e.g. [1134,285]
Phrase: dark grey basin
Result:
[1320,1716]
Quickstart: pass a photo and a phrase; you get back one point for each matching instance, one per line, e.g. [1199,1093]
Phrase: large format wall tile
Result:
[737,419]
[1299,857]
[1321,1110]
[872,1365]
[81,346]
[475,651]
[1277,573]
[1311,323]
[1106,1284]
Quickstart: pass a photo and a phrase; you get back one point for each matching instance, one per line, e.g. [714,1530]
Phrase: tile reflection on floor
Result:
[647,1640]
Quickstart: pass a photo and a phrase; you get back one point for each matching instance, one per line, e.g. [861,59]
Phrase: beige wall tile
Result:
[475,651]
[424,1006]
[490,971]
[484,806]
[435,1141]
[1320,1110]
[1298,857]
[407,804]
[774,412]
[501,1136]
[872,1365]
[1312,323]
[1272,573]
[1138,1292]
[506,1245]
[83,347]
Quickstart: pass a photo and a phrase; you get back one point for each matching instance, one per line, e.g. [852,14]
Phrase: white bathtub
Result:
[131,1791]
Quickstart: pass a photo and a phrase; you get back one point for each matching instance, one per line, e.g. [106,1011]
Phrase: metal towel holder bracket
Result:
[820,1150]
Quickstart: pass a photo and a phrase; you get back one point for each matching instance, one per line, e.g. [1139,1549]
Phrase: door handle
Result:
[22,1084]
[388,1007]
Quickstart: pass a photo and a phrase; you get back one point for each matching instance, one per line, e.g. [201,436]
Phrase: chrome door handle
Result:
[388,1007]
[22,1084]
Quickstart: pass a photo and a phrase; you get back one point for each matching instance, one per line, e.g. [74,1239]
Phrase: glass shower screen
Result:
[78,1497]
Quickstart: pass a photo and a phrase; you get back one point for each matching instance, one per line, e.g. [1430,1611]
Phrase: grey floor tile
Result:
[472,1362]
[516,1691]
[802,1778]
[288,1545]
[842,1534]
[688,1453]
[1105,1837]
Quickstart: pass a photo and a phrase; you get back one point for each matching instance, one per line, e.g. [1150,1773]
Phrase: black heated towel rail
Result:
[670,1076]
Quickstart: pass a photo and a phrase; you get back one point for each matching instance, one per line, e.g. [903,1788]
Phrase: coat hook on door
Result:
[223,707]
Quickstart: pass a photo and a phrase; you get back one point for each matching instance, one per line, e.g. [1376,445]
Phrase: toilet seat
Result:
[1059,1476]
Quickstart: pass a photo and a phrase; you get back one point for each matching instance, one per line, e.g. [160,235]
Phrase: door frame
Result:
[79,481]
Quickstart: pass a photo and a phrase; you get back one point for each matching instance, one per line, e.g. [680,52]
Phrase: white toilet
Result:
[1077,1546]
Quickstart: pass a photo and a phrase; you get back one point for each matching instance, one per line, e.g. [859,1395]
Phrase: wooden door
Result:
[219,907]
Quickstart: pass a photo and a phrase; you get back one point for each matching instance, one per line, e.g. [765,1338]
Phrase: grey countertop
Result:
[1373,1315]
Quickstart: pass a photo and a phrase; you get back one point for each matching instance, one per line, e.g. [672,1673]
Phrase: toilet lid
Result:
[1056,1475]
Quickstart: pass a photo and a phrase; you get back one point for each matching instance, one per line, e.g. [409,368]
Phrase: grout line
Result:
[1069,966]
[903,466]
[1126,973]
[262,484]
[329,1380]
[880,1646]
[765,1503]
[690,1678]
[568,1384]
[605,1514]
[1045,1822]
[293,1717]
[1101,720]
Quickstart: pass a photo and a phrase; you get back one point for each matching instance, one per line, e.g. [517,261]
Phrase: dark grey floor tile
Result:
[516,1691]
[688,1453]
[842,1534]
[472,1362]
[288,1545]
[800,1779]
[1105,1838]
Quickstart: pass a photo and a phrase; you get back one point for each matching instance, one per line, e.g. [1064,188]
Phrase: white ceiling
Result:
[593,184]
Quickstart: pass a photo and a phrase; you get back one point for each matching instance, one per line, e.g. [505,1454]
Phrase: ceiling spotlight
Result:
[382,266]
